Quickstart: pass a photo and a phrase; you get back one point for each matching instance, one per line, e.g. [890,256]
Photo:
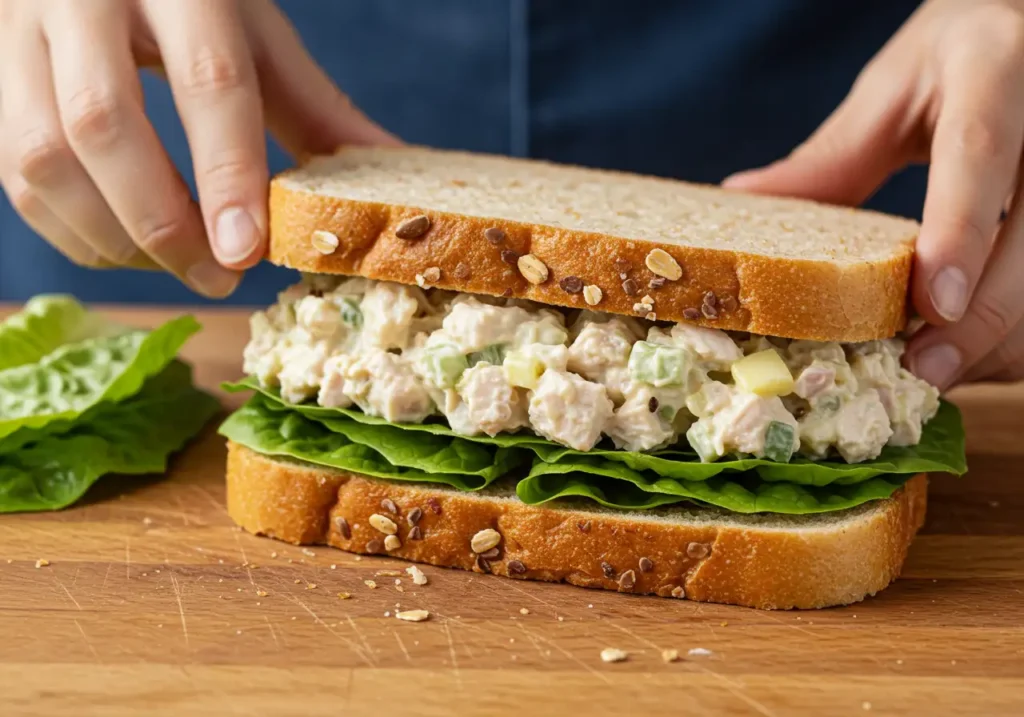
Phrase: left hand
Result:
[947,89]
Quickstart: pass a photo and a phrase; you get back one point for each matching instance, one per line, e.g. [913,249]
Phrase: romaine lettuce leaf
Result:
[385,454]
[941,449]
[56,390]
[135,436]
[44,325]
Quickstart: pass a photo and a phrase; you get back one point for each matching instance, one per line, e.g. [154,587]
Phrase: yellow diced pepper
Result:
[763,373]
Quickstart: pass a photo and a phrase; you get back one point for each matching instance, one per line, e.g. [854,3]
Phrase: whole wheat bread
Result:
[779,267]
[764,561]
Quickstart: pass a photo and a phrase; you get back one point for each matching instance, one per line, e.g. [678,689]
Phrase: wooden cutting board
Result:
[152,602]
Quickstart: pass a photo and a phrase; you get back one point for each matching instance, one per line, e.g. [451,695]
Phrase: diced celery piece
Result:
[828,403]
[541,332]
[658,364]
[493,354]
[778,442]
[351,314]
[523,370]
[445,364]
[763,373]
[699,436]
[668,413]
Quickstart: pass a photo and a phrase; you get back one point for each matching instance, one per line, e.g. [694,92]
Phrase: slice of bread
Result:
[763,561]
[771,266]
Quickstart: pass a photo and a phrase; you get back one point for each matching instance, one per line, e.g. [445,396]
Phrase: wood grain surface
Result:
[153,603]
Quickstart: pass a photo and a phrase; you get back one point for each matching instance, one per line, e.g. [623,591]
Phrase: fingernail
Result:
[208,277]
[938,365]
[949,293]
[235,235]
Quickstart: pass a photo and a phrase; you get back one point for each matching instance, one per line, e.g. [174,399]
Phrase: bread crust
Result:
[775,296]
[746,563]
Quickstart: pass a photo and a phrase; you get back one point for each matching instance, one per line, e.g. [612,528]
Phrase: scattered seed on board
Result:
[383,524]
[592,294]
[524,611]
[660,262]
[613,654]
[392,543]
[484,540]
[413,615]
[370,584]
[42,563]
[413,228]
[344,596]
[324,242]
[533,269]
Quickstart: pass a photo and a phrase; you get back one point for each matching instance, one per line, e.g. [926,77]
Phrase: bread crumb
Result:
[613,654]
[417,575]
[274,555]
[261,593]
[370,584]
[524,611]
[310,586]
[699,652]
[147,521]
[344,596]
[333,566]
[358,558]
[669,655]
[297,581]
[726,624]
[387,613]
[413,615]
[866,706]
[42,563]
[308,552]
[561,619]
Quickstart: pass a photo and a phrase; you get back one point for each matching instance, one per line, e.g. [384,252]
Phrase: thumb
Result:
[849,156]
[305,110]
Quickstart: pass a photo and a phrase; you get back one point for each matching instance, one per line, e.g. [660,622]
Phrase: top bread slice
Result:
[778,267]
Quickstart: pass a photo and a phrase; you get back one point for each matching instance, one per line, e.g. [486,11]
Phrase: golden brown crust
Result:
[775,296]
[833,563]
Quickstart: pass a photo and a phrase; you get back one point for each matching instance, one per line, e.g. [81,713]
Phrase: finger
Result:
[976,151]
[40,154]
[941,355]
[850,155]
[213,79]
[305,109]
[100,104]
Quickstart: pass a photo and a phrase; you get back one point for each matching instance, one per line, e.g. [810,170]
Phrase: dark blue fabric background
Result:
[685,88]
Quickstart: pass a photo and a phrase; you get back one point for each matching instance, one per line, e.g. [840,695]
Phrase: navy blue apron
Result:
[683,88]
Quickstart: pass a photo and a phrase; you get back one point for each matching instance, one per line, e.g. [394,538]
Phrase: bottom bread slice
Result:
[764,560]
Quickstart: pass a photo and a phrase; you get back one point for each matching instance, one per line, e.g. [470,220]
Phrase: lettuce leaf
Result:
[941,449]
[58,389]
[135,436]
[45,324]
[378,451]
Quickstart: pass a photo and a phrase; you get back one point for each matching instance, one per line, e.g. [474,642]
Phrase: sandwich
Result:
[554,373]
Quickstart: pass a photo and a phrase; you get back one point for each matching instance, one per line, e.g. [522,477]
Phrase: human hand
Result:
[948,88]
[84,167]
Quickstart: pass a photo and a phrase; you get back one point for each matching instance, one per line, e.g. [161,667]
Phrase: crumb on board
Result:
[42,563]
[524,611]
[418,576]
[669,655]
[370,584]
[699,652]
[412,615]
[344,596]
[613,654]
[261,593]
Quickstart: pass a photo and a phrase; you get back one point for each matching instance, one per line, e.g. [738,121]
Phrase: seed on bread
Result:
[392,542]
[492,554]
[324,242]
[678,592]
[413,228]
[622,266]
[728,303]
[461,272]
[494,235]
[571,285]
[657,282]
[662,263]
[435,505]
[389,505]
[584,526]
[383,524]
[432,274]
[691,314]
[646,565]
[608,570]
[415,533]
[374,545]
[414,516]
[533,269]
[509,257]
[627,580]
[709,311]
[697,551]
[343,528]
[484,540]
[482,564]
[631,287]
[651,316]
[592,294]
[516,567]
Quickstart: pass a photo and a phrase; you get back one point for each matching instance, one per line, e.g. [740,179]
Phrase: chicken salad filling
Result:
[490,366]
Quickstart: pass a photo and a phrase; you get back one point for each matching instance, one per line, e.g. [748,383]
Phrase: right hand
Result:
[84,167]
